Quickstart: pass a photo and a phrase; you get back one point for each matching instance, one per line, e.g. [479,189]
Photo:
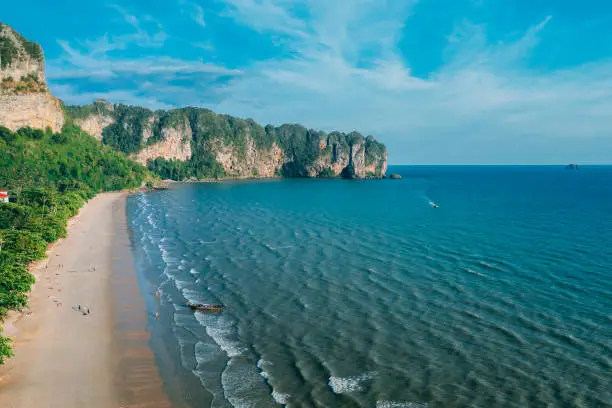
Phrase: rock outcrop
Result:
[24,96]
[175,143]
[97,119]
[236,147]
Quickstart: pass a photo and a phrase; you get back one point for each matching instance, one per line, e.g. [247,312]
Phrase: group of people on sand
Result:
[84,310]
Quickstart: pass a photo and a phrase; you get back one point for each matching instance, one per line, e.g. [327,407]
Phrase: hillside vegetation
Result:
[49,176]
[224,145]
[9,52]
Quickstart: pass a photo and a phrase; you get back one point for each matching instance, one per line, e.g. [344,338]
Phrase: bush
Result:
[29,133]
[59,138]
[7,135]
[50,228]
[5,348]
[13,215]
[326,173]
[15,278]
[21,247]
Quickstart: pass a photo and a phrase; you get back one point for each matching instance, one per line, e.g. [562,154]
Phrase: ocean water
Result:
[362,294]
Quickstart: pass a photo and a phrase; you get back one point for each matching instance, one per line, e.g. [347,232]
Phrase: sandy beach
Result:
[65,358]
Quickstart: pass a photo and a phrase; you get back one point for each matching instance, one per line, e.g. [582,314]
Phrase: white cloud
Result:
[207,46]
[194,10]
[140,37]
[347,73]
[198,15]
[137,80]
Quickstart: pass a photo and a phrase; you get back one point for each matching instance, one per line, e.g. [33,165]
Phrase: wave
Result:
[490,266]
[279,397]
[261,364]
[341,385]
[205,356]
[222,331]
[150,220]
[242,385]
[182,284]
[473,272]
[193,296]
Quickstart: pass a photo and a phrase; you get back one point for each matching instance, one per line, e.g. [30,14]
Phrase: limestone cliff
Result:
[24,96]
[96,119]
[209,144]
[175,143]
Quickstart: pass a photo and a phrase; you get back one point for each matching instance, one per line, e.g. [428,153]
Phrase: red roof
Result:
[3,194]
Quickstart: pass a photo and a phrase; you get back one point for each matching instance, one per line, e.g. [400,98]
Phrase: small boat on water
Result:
[204,307]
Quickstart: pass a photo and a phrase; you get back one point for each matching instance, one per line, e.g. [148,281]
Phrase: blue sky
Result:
[439,81]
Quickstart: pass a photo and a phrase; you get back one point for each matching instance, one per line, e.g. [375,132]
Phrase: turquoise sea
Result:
[360,294]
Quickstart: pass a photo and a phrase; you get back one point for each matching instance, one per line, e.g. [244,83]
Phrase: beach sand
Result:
[66,359]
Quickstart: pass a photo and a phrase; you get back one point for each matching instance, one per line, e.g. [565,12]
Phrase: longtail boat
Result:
[204,307]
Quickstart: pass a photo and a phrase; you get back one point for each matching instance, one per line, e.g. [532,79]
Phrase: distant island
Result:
[571,167]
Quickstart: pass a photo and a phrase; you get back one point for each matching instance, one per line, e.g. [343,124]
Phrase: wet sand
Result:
[64,358]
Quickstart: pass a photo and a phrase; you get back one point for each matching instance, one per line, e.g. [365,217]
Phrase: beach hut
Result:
[4,196]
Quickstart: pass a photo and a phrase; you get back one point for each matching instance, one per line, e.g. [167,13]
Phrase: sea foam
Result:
[341,385]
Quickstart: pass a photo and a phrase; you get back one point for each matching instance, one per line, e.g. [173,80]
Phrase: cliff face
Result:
[205,141]
[24,96]
[175,143]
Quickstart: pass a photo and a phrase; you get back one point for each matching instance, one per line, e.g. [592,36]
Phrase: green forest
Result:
[208,131]
[49,176]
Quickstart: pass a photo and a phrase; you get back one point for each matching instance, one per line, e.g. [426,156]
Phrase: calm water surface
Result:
[361,294]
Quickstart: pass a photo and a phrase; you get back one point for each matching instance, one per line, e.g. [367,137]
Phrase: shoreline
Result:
[170,182]
[65,358]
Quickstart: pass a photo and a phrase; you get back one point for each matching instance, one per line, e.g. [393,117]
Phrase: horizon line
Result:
[501,165]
